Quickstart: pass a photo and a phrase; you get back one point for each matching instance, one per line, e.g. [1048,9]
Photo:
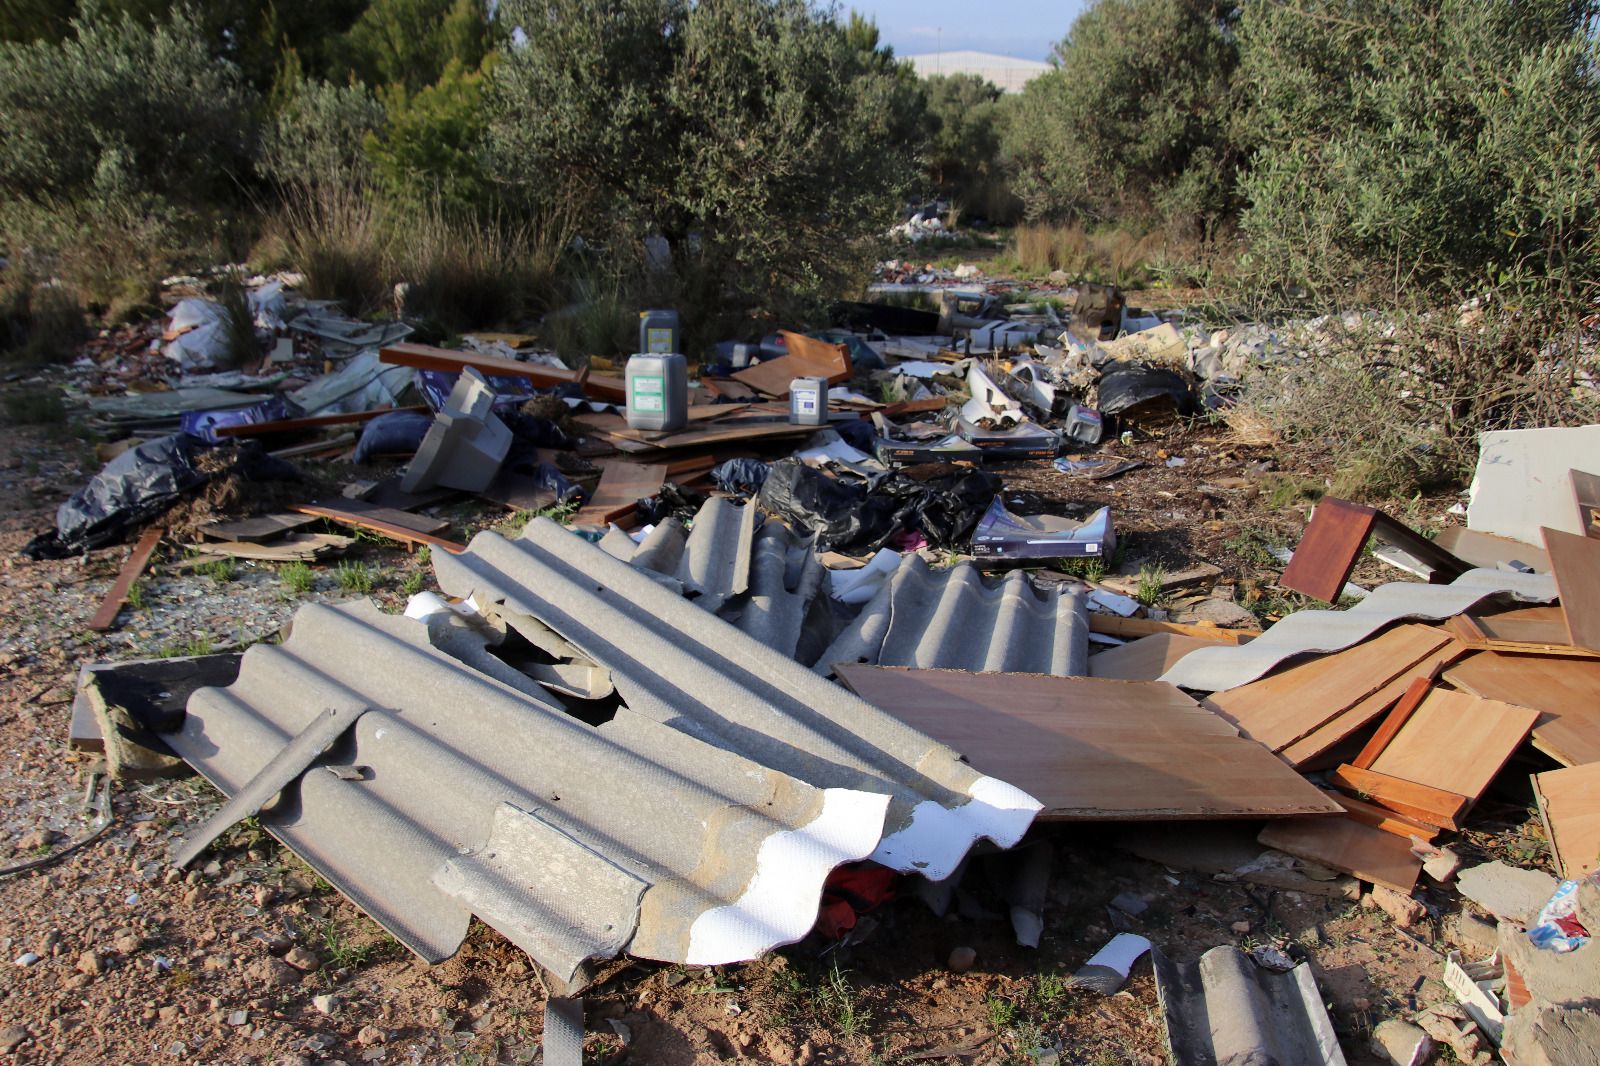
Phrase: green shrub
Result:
[752,134]
[968,115]
[339,237]
[318,136]
[1132,123]
[430,151]
[465,273]
[1402,144]
[410,43]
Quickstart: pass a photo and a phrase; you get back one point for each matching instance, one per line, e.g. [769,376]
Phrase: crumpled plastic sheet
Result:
[859,517]
[127,492]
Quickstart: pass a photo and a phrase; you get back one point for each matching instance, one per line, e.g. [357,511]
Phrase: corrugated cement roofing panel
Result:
[958,619]
[695,672]
[455,793]
[1224,1010]
[1229,666]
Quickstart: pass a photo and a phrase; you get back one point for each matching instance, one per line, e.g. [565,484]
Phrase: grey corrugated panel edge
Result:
[454,793]
[758,575]
[1226,1009]
[1229,666]
[691,670]
[957,619]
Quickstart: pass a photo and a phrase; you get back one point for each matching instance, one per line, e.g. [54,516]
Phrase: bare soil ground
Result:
[141,963]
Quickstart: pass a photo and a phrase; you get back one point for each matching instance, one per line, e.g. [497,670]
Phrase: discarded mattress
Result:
[1003,535]
[1228,666]
[696,825]
[958,619]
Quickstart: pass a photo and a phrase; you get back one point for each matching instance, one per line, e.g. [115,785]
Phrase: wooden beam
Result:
[294,425]
[1394,721]
[424,357]
[106,617]
[1133,628]
[1423,803]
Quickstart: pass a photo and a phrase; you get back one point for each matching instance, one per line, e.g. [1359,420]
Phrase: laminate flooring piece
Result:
[1094,749]
[1293,703]
[1569,806]
[1565,692]
[1345,844]
[1575,562]
[1456,741]
[1147,658]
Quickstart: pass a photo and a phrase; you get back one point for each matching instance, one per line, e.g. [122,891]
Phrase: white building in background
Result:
[1008,72]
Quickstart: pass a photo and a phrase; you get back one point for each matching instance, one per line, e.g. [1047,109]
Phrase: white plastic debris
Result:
[859,586]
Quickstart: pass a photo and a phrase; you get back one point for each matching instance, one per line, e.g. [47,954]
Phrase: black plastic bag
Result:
[127,492]
[396,433]
[944,506]
[673,501]
[740,477]
[1139,393]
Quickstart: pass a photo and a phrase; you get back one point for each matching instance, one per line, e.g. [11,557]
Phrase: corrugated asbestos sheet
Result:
[430,781]
[1226,1011]
[958,619]
[1228,666]
[757,575]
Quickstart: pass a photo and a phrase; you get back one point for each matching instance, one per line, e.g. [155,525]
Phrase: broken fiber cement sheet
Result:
[577,841]
[1524,481]
[1224,667]
[1224,1009]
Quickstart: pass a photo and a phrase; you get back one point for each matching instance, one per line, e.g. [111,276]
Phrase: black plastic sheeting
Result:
[740,477]
[673,501]
[944,504]
[136,486]
[1134,390]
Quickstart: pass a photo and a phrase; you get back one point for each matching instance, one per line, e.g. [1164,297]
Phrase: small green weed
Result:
[1279,491]
[354,577]
[218,570]
[136,599]
[839,998]
[192,647]
[1149,592]
[413,582]
[297,578]
[1002,1013]
[35,407]
[1088,568]
[340,951]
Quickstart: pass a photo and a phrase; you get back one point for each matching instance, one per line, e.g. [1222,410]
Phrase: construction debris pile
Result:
[790,620]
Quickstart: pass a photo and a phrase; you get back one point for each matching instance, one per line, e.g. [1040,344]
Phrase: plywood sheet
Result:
[1347,723]
[1345,844]
[1093,749]
[1569,804]
[1147,658]
[1456,741]
[1292,703]
[1565,692]
[257,529]
[622,486]
[1575,562]
[1489,551]
[807,357]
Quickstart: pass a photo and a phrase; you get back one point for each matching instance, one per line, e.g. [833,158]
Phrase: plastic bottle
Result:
[808,401]
[658,332]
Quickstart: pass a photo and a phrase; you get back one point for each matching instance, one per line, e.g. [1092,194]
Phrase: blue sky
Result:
[1022,28]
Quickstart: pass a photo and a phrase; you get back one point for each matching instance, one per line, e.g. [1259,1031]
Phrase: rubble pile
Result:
[777,617]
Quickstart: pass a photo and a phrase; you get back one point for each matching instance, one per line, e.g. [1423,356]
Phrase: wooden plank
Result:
[293,547]
[1397,717]
[1489,551]
[416,523]
[1456,741]
[1315,745]
[1147,658]
[1328,549]
[257,529]
[1575,562]
[1382,818]
[1565,692]
[807,357]
[1345,844]
[1586,493]
[106,617]
[1422,803]
[622,486]
[1291,703]
[1132,628]
[424,357]
[295,425]
[615,429]
[1092,749]
[411,537]
[316,449]
[1569,806]
[1544,637]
